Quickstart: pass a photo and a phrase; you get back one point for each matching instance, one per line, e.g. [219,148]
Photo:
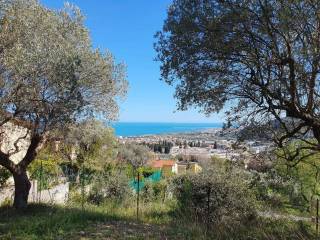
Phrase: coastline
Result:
[144,129]
[208,130]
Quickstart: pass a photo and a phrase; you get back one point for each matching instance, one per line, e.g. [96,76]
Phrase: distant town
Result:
[201,146]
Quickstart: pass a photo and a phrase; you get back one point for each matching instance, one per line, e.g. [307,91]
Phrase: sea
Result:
[127,129]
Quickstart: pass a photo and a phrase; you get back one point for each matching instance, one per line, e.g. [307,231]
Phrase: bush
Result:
[112,185]
[6,203]
[153,191]
[276,190]
[45,169]
[160,189]
[147,192]
[213,197]
[4,176]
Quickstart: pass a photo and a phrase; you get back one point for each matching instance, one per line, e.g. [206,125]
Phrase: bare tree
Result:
[50,76]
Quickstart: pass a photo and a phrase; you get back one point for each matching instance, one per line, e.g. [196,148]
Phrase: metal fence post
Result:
[138,193]
[317,218]
[40,180]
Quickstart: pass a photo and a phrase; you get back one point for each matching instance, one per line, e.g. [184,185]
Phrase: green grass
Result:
[45,222]
[118,221]
[110,220]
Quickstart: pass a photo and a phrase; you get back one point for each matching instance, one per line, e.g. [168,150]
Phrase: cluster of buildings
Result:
[169,167]
[199,147]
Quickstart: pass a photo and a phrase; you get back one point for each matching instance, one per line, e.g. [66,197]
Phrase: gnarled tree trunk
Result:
[22,186]
[19,170]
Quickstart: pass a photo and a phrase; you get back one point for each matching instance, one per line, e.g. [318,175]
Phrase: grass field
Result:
[112,221]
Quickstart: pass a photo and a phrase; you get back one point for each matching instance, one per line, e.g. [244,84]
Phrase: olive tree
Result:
[89,144]
[50,76]
[257,58]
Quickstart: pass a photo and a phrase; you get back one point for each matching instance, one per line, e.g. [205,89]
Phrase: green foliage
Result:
[245,55]
[220,163]
[289,185]
[45,168]
[214,196]
[6,203]
[50,51]
[91,143]
[273,189]
[146,171]
[117,221]
[160,147]
[109,185]
[305,177]
[51,76]
[147,192]
[154,191]
[160,189]
[4,176]
[88,148]
[134,154]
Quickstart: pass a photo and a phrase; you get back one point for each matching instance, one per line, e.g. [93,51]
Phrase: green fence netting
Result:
[155,177]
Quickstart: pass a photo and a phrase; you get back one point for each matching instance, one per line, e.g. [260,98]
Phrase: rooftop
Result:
[161,163]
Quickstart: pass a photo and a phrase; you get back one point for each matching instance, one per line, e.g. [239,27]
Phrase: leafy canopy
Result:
[49,72]
[259,57]
[134,154]
[92,143]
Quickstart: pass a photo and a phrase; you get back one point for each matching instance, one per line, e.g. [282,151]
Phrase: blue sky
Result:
[127,28]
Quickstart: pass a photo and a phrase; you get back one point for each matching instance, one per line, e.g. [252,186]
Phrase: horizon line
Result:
[167,122]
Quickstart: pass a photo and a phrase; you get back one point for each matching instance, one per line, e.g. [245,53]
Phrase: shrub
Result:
[112,185]
[6,203]
[4,176]
[276,190]
[147,192]
[45,169]
[153,191]
[160,189]
[213,197]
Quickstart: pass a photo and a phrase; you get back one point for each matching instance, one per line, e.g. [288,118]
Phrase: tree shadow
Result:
[48,222]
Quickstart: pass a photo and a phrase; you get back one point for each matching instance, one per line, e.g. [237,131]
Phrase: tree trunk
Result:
[22,186]
[19,171]
[316,133]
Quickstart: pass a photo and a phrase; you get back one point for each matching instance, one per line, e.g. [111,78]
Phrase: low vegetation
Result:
[114,221]
[54,85]
[224,201]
